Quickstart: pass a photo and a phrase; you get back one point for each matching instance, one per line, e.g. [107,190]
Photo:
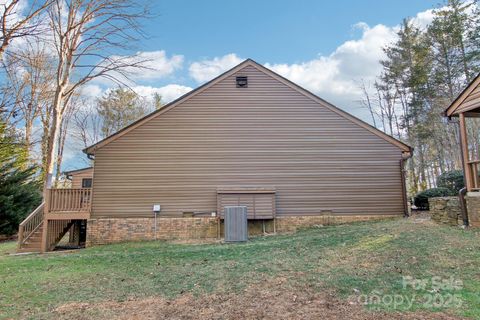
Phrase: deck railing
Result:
[67,200]
[31,224]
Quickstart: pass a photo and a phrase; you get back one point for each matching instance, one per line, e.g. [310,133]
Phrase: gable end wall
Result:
[265,135]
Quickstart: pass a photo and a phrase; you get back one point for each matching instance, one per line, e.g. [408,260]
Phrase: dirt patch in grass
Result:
[273,300]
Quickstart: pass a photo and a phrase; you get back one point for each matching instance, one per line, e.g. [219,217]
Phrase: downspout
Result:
[463,191]
[463,206]
[404,185]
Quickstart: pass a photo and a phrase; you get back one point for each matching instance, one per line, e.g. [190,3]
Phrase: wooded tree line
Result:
[49,54]
[50,50]
[423,72]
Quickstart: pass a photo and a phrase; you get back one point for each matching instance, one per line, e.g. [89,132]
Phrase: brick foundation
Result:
[292,224]
[104,231]
[446,210]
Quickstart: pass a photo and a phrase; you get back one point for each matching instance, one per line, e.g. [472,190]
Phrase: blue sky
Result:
[268,31]
[271,32]
[328,47]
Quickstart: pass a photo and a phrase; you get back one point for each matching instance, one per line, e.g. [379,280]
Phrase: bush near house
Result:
[448,184]
[421,199]
[452,180]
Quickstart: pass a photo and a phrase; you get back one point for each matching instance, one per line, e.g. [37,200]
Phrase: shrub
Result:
[452,180]
[421,199]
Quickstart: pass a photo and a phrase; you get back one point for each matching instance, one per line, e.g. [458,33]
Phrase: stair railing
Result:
[30,224]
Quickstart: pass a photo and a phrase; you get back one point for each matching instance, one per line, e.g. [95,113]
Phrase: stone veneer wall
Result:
[473,208]
[446,210]
[104,231]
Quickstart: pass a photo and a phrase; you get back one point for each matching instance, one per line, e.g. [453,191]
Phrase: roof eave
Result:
[451,111]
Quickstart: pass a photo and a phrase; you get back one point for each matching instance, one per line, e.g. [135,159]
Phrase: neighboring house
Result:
[248,137]
[81,178]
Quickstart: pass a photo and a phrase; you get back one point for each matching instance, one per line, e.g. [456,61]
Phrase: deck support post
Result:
[43,247]
[46,199]
[465,158]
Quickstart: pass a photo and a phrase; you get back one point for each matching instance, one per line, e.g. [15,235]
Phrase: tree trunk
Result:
[61,146]
[58,163]
[28,139]
[54,133]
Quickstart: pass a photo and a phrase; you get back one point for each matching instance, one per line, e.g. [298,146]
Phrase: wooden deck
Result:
[48,223]
[68,203]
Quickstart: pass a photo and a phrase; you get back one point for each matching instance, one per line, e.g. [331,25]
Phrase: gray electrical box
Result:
[236,224]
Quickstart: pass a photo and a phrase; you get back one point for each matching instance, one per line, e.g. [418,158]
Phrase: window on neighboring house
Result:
[87,183]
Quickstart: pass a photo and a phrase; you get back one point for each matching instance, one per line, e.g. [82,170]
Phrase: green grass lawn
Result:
[7,247]
[361,259]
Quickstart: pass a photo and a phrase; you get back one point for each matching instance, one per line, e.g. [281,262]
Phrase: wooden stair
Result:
[63,209]
[33,243]
[31,231]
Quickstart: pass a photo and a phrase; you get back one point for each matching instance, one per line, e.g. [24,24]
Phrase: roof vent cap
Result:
[242,82]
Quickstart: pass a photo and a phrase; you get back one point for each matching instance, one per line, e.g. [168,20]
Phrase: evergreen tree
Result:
[406,73]
[423,72]
[120,107]
[19,190]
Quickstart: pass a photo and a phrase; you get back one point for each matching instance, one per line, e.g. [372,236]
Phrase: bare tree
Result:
[86,128]
[15,24]
[387,102]
[27,91]
[86,31]
[367,102]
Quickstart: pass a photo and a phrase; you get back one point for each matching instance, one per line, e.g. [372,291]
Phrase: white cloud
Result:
[206,70]
[159,64]
[423,19]
[91,91]
[336,77]
[153,65]
[169,92]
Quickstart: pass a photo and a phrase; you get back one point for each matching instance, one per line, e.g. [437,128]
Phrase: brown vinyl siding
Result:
[265,135]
